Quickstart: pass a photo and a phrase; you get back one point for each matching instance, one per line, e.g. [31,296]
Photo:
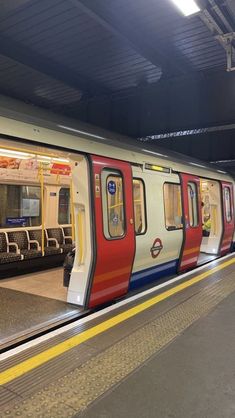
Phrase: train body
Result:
[133,213]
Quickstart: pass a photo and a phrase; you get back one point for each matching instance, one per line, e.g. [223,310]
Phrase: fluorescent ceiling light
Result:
[198,165]
[47,159]
[155,153]
[14,154]
[68,128]
[221,171]
[187,7]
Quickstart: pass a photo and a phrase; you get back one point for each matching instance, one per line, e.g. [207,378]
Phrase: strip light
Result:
[14,154]
[187,7]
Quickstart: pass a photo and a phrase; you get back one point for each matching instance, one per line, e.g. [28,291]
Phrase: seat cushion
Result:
[9,257]
[31,254]
[57,234]
[67,247]
[52,251]
[20,238]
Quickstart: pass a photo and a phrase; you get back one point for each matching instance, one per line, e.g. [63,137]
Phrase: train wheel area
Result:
[169,332]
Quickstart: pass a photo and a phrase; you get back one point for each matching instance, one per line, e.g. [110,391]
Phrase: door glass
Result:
[172,206]
[193,204]
[113,204]
[139,206]
[227,200]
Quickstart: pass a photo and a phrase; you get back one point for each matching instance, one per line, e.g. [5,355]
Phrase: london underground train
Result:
[133,213]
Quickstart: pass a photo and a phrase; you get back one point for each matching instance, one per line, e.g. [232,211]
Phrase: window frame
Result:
[181,201]
[114,172]
[20,227]
[197,205]
[230,205]
[145,206]
[69,212]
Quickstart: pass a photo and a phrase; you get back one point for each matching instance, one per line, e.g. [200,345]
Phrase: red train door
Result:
[228,217]
[191,202]
[114,229]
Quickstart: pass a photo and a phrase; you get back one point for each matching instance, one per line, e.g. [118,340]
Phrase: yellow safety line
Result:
[61,348]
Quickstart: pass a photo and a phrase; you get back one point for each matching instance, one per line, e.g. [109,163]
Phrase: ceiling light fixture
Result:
[154,153]
[187,7]
[198,165]
[68,128]
[14,154]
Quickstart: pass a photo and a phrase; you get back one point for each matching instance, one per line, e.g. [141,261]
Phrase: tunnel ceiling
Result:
[138,67]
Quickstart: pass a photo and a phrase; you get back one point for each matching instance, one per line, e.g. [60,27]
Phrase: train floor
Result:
[168,353]
[47,283]
[31,304]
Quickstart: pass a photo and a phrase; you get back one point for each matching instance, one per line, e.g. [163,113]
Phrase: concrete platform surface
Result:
[193,377]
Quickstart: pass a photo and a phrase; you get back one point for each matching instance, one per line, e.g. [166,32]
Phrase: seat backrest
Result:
[20,238]
[3,242]
[36,235]
[56,233]
[67,231]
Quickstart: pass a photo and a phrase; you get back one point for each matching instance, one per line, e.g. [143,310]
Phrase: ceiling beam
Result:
[164,55]
[44,65]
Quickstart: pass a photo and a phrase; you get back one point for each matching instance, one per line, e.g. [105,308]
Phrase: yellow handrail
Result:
[41,177]
[80,237]
[72,211]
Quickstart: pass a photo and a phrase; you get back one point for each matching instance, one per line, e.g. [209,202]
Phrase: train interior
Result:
[36,220]
[211,219]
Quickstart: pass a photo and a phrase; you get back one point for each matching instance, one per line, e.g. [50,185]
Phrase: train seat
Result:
[8,253]
[35,236]
[67,232]
[20,239]
[57,235]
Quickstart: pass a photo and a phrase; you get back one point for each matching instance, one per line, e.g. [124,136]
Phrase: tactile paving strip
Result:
[71,394]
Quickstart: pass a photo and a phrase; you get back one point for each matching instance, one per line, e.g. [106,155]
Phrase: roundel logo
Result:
[156,248]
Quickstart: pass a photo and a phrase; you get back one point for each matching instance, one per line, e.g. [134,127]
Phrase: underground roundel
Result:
[156,248]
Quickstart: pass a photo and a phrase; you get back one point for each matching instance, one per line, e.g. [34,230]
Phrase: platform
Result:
[166,353]
[23,315]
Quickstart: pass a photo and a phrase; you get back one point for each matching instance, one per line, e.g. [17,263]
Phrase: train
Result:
[132,212]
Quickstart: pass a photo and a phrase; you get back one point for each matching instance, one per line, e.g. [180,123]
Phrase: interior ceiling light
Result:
[14,154]
[187,7]
[47,159]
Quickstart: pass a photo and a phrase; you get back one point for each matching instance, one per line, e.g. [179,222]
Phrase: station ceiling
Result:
[134,66]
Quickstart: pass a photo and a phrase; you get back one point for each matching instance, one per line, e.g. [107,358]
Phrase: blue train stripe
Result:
[148,275]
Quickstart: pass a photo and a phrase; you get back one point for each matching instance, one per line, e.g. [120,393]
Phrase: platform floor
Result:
[47,283]
[168,354]
[23,315]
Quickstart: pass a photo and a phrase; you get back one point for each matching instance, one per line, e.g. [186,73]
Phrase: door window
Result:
[64,206]
[193,204]
[113,204]
[227,202]
[173,206]
[139,206]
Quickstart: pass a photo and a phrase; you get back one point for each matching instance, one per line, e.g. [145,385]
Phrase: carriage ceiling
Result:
[134,66]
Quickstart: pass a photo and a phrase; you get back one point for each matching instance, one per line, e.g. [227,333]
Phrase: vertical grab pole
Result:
[72,210]
[42,204]
[80,236]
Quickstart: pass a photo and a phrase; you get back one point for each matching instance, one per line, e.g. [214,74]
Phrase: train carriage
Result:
[133,213]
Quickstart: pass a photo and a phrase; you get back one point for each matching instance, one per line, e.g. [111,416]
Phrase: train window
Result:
[227,200]
[173,206]
[64,206]
[139,206]
[193,204]
[112,197]
[20,206]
